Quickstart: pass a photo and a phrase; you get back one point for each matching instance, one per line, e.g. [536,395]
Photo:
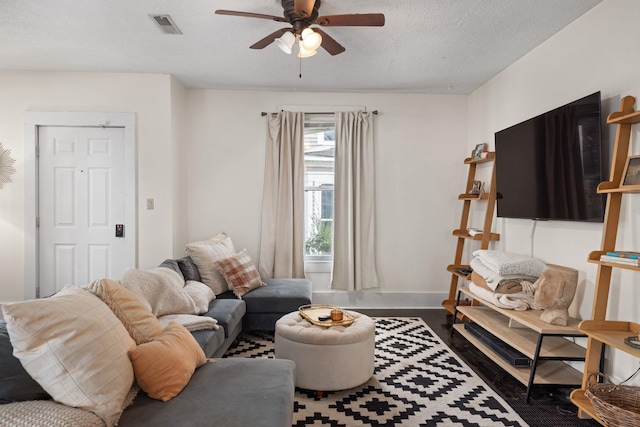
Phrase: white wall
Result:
[149,96]
[417,180]
[597,52]
[420,147]
[179,167]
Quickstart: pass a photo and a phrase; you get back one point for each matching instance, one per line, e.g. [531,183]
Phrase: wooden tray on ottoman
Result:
[311,312]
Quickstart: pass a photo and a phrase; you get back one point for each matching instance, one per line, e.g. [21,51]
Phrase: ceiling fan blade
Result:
[352,20]
[250,15]
[262,43]
[304,8]
[329,43]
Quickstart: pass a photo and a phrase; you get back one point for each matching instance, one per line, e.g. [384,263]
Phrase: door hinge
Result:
[37,148]
[37,222]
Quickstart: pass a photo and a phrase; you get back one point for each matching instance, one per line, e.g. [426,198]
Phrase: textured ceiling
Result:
[426,46]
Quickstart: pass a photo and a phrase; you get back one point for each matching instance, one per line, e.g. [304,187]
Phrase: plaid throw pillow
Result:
[240,273]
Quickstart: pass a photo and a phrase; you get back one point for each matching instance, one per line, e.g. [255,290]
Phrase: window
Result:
[319,156]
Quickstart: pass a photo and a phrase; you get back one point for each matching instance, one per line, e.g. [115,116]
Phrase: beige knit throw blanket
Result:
[49,413]
[46,413]
[162,290]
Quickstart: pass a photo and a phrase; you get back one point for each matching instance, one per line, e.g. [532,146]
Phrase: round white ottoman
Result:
[334,358]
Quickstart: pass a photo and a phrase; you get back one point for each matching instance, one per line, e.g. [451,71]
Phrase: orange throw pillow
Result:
[164,366]
[141,324]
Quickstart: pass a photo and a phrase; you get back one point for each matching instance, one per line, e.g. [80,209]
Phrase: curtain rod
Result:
[323,112]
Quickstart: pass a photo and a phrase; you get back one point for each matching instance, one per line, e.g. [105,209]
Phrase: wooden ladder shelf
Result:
[462,235]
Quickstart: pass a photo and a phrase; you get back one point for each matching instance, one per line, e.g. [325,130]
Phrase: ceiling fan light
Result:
[310,39]
[304,52]
[285,42]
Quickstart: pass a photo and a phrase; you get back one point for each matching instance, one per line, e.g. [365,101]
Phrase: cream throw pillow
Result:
[201,295]
[141,324]
[164,366]
[206,255]
[75,348]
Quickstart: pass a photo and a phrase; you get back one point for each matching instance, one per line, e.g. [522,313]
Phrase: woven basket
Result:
[616,405]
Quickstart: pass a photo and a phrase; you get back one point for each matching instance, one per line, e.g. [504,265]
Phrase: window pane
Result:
[326,211]
[319,172]
[319,231]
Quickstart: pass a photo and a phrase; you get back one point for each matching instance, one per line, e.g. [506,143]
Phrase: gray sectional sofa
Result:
[257,310]
[230,392]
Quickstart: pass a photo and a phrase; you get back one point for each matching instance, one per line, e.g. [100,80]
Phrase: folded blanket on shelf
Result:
[508,287]
[494,279]
[505,263]
[517,301]
[511,286]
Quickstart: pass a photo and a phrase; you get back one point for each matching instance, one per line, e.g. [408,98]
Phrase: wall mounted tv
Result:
[548,167]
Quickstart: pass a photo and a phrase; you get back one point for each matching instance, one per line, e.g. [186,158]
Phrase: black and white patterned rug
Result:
[418,381]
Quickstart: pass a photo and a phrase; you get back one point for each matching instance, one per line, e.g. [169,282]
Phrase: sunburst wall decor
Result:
[6,166]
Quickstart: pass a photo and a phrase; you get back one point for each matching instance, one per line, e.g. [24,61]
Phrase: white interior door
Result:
[82,234]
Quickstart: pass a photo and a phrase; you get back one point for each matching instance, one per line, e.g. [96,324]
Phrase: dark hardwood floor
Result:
[548,405]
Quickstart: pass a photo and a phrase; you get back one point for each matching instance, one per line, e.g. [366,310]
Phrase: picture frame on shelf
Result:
[632,171]
[477,152]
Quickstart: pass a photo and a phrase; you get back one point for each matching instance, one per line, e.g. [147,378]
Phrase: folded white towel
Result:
[506,263]
[494,279]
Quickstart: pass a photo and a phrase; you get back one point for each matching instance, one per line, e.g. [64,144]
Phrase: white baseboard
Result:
[371,299]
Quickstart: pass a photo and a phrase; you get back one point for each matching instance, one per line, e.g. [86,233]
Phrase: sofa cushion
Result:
[206,254]
[279,296]
[75,348]
[141,324]
[240,273]
[209,340]
[164,366]
[173,265]
[15,383]
[189,269]
[228,312]
[237,392]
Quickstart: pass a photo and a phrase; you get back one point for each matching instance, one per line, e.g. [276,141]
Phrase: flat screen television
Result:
[548,167]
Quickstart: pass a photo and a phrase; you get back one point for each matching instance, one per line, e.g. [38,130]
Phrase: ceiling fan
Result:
[301,15]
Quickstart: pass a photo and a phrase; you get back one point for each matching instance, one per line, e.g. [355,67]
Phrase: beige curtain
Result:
[282,239]
[354,266]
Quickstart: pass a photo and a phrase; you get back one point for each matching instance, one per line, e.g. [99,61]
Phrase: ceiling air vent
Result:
[166,24]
